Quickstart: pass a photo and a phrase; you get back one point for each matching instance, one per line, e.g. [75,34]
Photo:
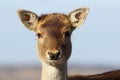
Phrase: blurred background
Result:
[96,44]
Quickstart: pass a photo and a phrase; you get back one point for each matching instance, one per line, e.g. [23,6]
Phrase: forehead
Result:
[53,22]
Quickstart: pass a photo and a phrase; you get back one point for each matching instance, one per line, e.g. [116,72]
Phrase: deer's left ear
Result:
[78,16]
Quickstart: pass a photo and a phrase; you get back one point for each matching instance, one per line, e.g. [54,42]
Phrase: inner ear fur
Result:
[78,16]
[28,18]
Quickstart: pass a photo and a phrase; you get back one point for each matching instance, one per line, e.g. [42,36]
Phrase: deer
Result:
[54,45]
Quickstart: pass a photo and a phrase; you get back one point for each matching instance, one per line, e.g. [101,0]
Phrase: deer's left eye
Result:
[39,35]
[67,34]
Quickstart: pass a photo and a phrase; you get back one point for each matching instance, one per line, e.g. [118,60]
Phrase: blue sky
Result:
[96,42]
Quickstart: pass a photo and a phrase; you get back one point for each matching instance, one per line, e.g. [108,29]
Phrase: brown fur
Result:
[113,75]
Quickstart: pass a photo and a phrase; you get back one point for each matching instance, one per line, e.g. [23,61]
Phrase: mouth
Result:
[54,58]
[55,61]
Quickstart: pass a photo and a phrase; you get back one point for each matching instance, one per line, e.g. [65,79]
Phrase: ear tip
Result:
[86,8]
[20,11]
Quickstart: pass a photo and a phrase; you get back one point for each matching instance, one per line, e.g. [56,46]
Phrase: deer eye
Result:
[39,35]
[67,34]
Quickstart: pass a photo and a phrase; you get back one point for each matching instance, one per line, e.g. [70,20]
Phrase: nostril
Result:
[50,55]
[58,54]
[54,56]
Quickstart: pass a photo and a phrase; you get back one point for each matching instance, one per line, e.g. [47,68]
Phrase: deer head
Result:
[54,33]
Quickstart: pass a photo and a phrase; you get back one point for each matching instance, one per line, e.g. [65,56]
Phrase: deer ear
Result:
[28,18]
[78,16]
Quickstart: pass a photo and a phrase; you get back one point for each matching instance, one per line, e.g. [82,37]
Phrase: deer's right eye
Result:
[67,34]
[39,35]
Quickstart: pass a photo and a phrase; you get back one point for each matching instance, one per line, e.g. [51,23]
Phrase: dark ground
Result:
[30,72]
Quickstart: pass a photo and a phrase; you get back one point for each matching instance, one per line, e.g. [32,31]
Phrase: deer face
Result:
[54,33]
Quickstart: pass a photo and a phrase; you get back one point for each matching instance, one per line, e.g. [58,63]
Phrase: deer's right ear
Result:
[28,18]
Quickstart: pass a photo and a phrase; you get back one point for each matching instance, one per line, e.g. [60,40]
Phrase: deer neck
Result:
[57,72]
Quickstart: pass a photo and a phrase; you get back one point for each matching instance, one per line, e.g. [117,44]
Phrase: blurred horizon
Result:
[97,42]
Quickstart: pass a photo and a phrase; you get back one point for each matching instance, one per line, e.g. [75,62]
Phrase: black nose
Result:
[55,55]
